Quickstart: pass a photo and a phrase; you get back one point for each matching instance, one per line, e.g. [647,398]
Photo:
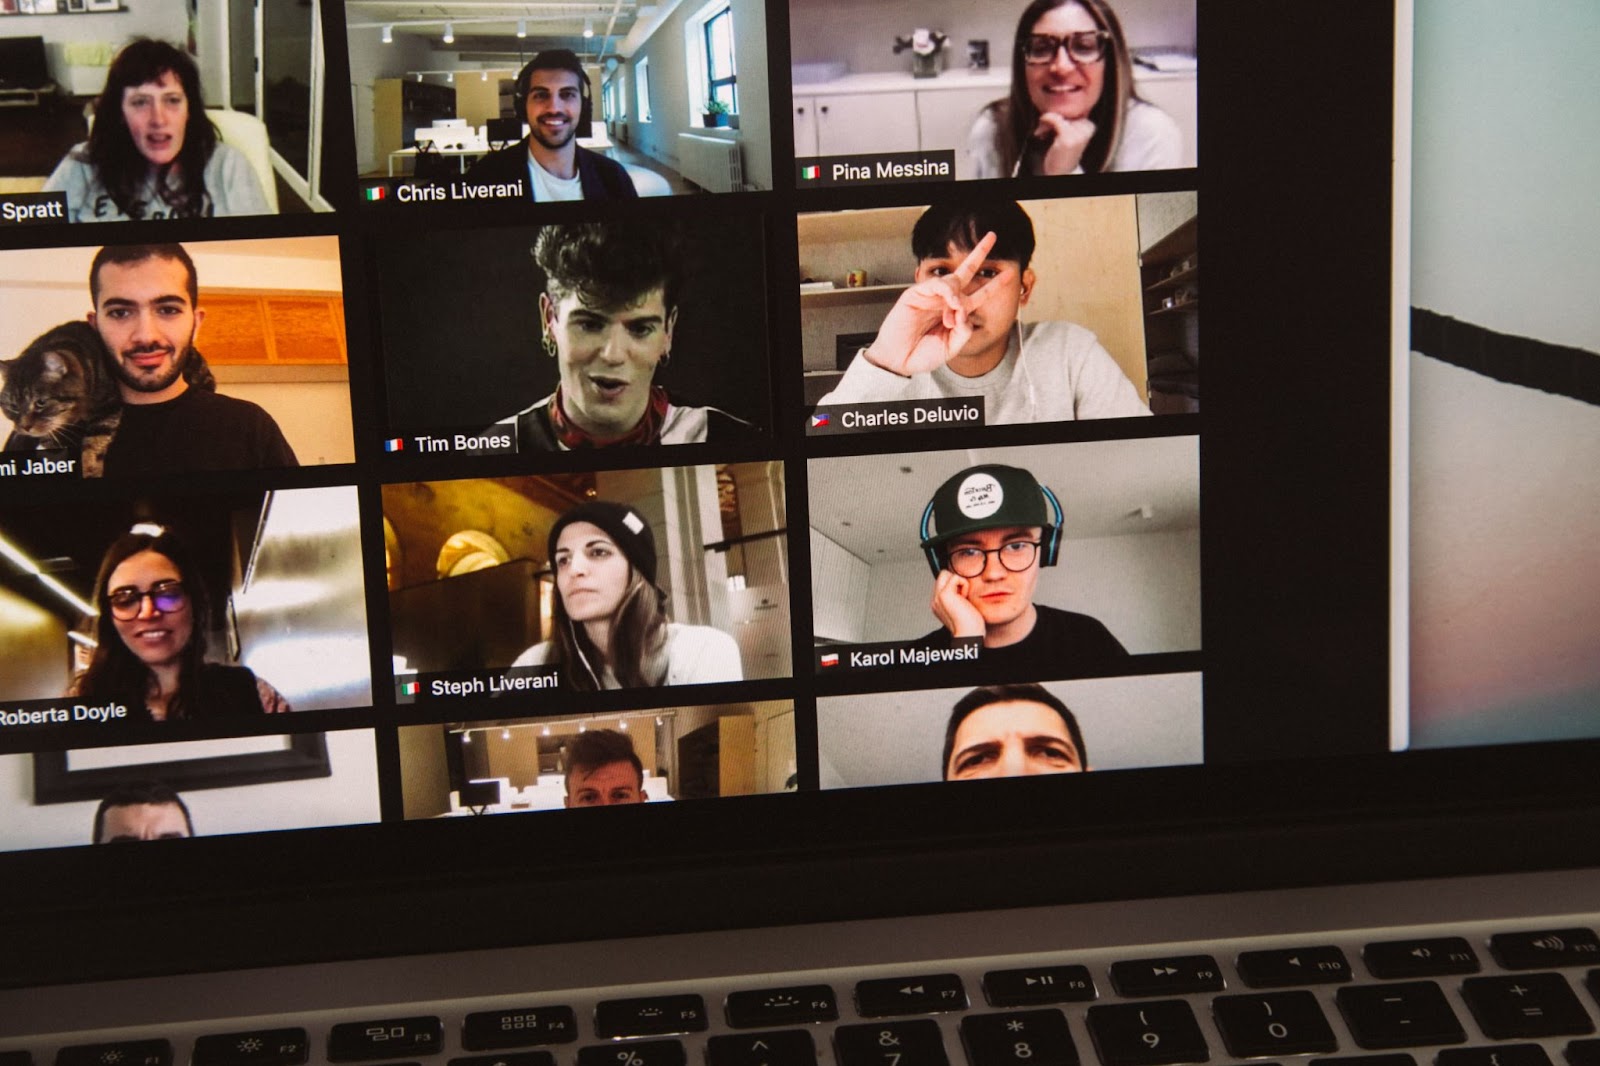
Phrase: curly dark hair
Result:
[611,264]
[120,166]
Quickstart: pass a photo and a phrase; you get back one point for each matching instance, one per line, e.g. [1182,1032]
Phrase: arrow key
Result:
[911,995]
[788,1047]
[1175,976]
[515,1058]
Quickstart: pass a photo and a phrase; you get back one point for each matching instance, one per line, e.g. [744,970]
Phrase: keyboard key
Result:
[516,1058]
[1526,1006]
[782,1006]
[650,1016]
[1399,1015]
[1296,966]
[1280,1023]
[910,995]
[1397,1059]
[1500,1055]
[1540,951]
[915,1043]
[1583,1052]
[1174,976]
[491,1030]
[789,1047]
[1391,959]
[264,1047]
[1146,1034]
[1044,984]
[1018,1038]
[121,1053]
[637,1053]
[390,1039]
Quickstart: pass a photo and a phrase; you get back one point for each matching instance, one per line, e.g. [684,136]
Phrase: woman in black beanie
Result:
[610,621]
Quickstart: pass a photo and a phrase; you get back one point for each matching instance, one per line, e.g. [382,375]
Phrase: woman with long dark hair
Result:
[150,654]
[609,617]
[1072,107]
[152,152]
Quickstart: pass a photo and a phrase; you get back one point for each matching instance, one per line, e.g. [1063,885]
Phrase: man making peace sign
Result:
[954,333]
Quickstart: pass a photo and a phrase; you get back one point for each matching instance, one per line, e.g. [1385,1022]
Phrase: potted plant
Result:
[716,114]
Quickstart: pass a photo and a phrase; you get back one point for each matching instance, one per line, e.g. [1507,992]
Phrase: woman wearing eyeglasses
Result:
[151,639]
[1072,108]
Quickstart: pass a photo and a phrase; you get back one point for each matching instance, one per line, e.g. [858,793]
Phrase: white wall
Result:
[162,19]
[349,796]
[1505,515]
[370,60]
[862,34]
[893,738]
[669,90]
[1506,167]
[1145,588]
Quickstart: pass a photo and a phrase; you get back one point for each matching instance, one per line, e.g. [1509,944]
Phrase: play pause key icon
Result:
[1039,984]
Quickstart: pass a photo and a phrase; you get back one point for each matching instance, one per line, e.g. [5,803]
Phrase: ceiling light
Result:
[388,35]
[485,75]
[450,77]
[522,27]
[588,27]
[419,75]
[79,638]
[466,737]
[449,33]
[505,734]
[623,725]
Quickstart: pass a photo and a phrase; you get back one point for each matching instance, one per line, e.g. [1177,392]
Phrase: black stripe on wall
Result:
[1524,361]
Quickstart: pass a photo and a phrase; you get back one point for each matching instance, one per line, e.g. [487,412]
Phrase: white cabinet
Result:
[855,123]
[945,116]
[838,591]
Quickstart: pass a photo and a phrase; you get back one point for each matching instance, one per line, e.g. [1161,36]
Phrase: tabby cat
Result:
[60,394]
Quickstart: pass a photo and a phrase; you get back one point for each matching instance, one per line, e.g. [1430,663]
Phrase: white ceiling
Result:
[485,29]
[871,505]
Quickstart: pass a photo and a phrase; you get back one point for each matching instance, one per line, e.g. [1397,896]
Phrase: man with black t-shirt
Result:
[986,533]
[146,310]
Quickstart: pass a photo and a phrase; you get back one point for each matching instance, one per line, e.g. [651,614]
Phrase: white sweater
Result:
[1151,140]
[696,655]
[231,189]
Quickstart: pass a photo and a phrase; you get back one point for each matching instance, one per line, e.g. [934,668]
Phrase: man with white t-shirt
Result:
[553,91]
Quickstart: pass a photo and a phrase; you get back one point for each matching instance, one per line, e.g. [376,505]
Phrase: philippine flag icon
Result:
[831,659]
[395,444]
[409,688]
[818,420]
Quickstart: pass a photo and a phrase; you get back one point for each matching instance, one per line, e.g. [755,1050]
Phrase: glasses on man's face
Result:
[1085,46]
[1016,556]
[167,597]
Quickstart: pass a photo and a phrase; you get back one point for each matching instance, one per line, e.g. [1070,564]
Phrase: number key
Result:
[1019,1038]
[915,1043]
[1146,1034]
[637,1053]
[1281,1023]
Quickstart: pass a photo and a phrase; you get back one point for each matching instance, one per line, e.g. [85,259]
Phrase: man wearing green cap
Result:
[986,533]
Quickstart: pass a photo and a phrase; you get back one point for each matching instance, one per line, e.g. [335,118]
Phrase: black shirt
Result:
[199,430]
[1060,642]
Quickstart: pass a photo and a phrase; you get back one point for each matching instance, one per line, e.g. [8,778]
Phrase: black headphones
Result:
[525,76]
[1049,545]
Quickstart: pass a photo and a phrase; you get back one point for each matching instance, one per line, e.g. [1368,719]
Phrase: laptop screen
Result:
[782,424]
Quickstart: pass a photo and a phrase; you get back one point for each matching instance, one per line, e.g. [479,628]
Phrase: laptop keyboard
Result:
[1508,998]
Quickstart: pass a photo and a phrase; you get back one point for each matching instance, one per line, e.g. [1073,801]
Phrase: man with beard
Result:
[146,310]
[553,98]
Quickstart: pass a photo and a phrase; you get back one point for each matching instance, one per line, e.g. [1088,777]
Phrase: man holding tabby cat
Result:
[126,392]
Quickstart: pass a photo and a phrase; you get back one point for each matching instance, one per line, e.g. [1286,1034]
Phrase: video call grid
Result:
[353,229]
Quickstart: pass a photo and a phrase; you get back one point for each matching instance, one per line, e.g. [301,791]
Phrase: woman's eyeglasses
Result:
[1085,46]
[168,597]
[1016,556]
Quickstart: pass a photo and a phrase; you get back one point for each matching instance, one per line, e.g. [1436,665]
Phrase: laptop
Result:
[309,666]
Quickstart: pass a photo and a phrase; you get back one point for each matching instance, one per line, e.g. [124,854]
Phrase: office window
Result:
[641,76]
[721,75]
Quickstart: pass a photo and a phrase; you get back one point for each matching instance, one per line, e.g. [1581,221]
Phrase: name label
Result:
[25,714]
[39,464]
[498,440]
[879,168]
[836,418]
[443,192]
[33,208]
[467,684]
[849,657]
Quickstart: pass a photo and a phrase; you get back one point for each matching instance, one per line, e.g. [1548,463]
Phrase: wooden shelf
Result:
[1192,305]
[863,294]
[1176,281]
